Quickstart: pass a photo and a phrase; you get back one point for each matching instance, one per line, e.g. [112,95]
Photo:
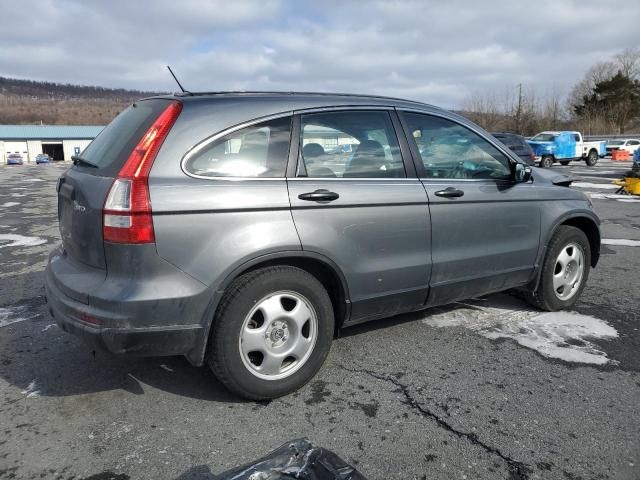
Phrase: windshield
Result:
[545,137]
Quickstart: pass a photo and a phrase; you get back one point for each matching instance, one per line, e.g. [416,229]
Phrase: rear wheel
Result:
[546,161]
[272,332]
[592,158]
[565,162]
[564,271]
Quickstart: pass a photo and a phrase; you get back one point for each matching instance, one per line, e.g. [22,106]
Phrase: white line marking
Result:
[621,241]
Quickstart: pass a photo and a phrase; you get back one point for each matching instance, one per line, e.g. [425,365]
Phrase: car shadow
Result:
[40,359]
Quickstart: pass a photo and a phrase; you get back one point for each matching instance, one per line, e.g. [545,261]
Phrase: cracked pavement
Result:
[398,399]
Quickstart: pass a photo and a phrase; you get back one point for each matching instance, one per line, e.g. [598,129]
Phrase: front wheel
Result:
[592,158]
[272,332]
[546,161]
[564,271]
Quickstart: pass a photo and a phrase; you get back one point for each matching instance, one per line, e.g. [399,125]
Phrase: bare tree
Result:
[628,62]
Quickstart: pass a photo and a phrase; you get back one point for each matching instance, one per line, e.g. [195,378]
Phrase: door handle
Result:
[321,195]
[450,192]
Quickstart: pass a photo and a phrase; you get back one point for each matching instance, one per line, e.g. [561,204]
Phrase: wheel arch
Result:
[323,268]
[582,220]
[590,229]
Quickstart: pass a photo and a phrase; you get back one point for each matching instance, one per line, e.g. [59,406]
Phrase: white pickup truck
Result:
[563,147]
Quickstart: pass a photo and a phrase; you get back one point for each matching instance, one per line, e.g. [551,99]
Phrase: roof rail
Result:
[265,92]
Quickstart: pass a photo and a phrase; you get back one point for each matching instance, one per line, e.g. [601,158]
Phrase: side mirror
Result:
[522,173]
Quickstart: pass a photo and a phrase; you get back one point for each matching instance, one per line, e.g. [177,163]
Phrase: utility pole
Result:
[519,111]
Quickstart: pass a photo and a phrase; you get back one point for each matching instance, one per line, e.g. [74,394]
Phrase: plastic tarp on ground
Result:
[298,459]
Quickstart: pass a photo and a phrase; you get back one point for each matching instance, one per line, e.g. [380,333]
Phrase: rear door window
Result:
[111,148]
[350,144]
[260,150]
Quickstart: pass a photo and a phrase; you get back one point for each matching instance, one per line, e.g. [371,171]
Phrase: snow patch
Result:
[9,316]
[621,241]
[164,367]
[615,196]
[20,241]
[32,390]
[51,325]
[9,204]
[561,335]
[594,185]
[34,180]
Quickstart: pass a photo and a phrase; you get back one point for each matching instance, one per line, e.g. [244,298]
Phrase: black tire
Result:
[546,161]
[544,296]
[565,162]
[592,158]
[223,354]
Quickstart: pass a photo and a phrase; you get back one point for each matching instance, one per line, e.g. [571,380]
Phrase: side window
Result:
[260,150]
[350,144]
[449,150]
[576,137]
[633,142]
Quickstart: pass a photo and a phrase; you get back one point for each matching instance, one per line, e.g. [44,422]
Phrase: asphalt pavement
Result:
[484,389]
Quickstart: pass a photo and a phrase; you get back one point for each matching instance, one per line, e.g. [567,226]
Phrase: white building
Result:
[60,142]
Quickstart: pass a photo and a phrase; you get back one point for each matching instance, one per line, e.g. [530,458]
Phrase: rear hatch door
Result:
[83,188]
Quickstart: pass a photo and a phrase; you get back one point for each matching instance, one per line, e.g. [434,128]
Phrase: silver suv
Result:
[242,230]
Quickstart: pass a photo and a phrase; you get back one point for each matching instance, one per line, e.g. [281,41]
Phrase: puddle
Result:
[562,335]
[10,204]
[621,241]
[19,240]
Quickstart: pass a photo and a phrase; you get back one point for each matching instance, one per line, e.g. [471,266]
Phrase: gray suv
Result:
[242,230]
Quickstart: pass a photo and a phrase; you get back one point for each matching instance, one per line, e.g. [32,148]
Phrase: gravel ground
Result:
[477,390]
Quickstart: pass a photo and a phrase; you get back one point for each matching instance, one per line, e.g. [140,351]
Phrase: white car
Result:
[630,145]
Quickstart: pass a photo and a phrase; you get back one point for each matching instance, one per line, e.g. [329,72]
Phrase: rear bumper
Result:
[96,329]
[159,315]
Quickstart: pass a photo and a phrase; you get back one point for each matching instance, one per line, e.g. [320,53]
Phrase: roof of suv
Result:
[297,98]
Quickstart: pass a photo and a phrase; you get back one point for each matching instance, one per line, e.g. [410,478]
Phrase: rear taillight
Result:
[127,216]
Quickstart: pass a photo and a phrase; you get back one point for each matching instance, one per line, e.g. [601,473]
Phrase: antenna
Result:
[178,81]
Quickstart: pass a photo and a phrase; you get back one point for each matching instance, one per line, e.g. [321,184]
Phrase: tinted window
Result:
[350,145]
[576,137]
[633,142]
[260,150]
[111,148]
[449,150]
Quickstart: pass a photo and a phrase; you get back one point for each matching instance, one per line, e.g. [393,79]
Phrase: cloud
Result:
[432,51]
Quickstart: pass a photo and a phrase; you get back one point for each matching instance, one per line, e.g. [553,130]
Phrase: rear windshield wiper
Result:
[81,161]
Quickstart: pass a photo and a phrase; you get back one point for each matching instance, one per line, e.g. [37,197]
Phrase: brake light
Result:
[127,216]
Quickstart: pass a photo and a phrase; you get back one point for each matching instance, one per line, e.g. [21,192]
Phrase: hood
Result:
[549,176]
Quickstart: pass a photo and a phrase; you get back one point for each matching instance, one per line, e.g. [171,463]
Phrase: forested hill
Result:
[29,102]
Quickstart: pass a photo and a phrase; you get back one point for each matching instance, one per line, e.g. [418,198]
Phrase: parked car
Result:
[518,145]
[629,145]
[14,159]
[193,226]
[564,147]
[636,158]
[42,158]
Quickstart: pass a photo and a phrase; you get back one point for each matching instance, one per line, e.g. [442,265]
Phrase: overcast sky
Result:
[437,52]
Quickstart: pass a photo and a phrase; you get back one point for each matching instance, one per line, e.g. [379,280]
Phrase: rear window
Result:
[112,146]
[260,150]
